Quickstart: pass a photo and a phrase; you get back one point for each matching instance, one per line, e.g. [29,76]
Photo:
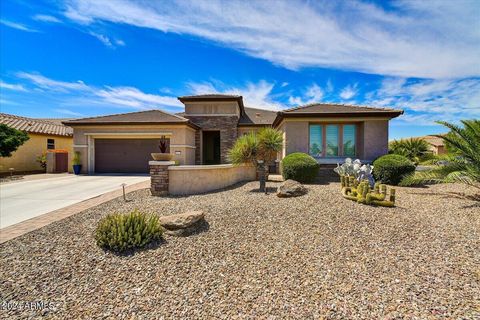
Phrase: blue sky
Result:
[86,57]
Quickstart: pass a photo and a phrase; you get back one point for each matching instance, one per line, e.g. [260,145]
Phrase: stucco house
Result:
[208,128]
[45,135]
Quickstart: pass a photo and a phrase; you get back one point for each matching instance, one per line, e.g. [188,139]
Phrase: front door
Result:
[211,147]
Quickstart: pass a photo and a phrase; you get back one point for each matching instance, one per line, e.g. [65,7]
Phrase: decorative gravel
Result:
[315,256]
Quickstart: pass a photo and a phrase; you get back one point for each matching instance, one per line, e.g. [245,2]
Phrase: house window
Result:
[316,141]
[349,140]
[332,140]
[50,144]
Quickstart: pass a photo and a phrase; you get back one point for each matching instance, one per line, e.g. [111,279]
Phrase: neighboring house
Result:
[45,135]
[437,145]
[208,128]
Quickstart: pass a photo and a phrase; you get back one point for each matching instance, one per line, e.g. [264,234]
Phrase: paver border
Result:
[45,219]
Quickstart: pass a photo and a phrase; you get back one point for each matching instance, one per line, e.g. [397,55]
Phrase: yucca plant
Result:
[413,148]
[464,167]
[120,232]
[258,148]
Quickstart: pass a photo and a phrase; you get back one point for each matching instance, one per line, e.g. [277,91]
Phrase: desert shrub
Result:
[391,168]
[413,149]
[120,232]
[300,167]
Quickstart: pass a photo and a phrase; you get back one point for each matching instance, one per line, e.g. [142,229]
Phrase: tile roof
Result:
[140,117]
[32,125]
[434,141]
[253,116]
[336,108]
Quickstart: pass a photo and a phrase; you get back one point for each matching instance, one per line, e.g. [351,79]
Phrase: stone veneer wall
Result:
[227,125]
[159,177]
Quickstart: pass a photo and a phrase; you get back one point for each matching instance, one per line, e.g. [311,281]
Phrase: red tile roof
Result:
[32,125]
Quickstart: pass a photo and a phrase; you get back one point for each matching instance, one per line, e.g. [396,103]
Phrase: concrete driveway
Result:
[21,201]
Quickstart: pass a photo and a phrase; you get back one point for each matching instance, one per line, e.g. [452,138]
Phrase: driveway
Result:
[21,201]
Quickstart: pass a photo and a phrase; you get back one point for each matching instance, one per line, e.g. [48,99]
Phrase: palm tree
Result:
[413,148]
[464,166]
[259,148]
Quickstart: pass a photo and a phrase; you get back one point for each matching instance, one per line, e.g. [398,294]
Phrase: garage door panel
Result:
[124,155]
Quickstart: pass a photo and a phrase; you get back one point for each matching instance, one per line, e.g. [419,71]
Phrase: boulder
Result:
[291,188]
[181,221]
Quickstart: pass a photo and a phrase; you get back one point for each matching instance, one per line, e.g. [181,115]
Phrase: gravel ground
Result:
[313,257]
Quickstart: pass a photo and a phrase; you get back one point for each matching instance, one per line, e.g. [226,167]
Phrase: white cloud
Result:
[312,94]
[46,18]
[80,94]
[431,39]
[69,112]
[130,96]
[47,83]
[17,26]
[13,87]
[255,95]
[426,101]
[349,92]
[107,41]
[284,84]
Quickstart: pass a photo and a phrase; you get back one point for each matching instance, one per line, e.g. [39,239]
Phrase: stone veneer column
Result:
[159,177]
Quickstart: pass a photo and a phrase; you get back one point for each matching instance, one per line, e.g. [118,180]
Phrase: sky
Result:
[80,58]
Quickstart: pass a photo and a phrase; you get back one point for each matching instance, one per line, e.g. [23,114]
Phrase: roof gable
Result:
[253,116]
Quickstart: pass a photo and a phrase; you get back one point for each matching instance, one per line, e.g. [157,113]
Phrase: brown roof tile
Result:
[140,117]
[32,125]
[336,110]
[253,116]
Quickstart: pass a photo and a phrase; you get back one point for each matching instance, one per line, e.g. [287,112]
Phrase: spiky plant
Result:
[253,147]
[465,167]
[413,148]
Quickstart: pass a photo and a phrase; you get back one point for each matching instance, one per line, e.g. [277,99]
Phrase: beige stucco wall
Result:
[375,139]
[182,139]
[372,135]
[213,107]
[184,180]
[24,159]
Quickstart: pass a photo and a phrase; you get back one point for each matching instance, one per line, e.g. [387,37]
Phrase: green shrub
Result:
[391,168]
[300,167]
[120,232]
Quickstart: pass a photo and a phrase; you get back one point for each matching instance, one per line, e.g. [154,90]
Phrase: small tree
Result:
[413,148]
[259,148]
[464,166]
[10,140]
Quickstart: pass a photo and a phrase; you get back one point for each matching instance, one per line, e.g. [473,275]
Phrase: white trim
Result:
[80,145]
[182,146]
[166,133]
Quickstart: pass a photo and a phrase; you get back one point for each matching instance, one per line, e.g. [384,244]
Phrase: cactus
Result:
[363,192]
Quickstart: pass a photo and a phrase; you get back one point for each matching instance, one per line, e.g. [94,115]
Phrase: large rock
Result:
[291,188]
[181,221]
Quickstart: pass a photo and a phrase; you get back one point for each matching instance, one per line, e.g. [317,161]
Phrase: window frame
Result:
[50,144]
[340,138]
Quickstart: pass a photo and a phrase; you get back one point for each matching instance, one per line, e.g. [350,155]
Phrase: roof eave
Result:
[82,123]
[388,114]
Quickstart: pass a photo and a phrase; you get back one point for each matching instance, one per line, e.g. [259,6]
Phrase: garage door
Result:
[124,155]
